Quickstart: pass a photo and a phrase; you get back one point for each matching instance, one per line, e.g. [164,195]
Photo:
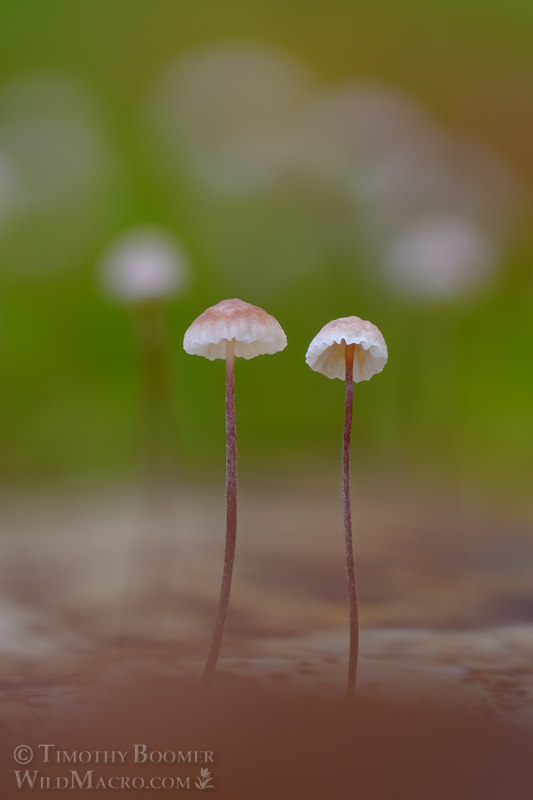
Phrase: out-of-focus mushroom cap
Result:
[326,353]
[255,332]
[141,265]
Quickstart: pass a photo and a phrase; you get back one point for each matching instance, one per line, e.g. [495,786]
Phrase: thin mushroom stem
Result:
[231,516]
[350,562]
[150,320]
[150,328]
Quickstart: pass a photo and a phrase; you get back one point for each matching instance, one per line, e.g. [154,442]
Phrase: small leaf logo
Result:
[204,779]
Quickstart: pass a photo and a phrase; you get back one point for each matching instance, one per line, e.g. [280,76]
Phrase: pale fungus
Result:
[227,330]
[142,269]
[351,349]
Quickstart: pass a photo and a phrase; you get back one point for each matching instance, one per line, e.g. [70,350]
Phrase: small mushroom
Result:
[351,349]
[143,265]
[142,269]
[227,330]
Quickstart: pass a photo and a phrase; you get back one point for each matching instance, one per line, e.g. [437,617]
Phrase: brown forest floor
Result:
[108,605]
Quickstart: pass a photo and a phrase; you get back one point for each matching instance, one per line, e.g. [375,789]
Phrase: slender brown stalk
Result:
[231,516]
[158,406]
[158,445]
[350,562]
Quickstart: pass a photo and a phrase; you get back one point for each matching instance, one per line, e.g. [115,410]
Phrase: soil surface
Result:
[108,605]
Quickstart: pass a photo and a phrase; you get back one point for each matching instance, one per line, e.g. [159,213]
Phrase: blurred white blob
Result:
[281,176]
[52,134]
[143,264]
[226,114]
[448,177]
[396,163]
[422,199]
[349,130]
[439,258]
[46,125]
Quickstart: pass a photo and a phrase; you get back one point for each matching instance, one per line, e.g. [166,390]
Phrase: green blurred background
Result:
[116,151]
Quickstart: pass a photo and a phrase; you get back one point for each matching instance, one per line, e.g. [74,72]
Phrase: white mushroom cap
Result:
[326,353]
[255,332]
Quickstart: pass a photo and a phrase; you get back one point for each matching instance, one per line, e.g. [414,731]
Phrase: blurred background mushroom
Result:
[142,269]
[54,134]
[226,115]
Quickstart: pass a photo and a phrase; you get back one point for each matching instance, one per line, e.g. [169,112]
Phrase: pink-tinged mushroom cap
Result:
[255,332]
[326,353]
